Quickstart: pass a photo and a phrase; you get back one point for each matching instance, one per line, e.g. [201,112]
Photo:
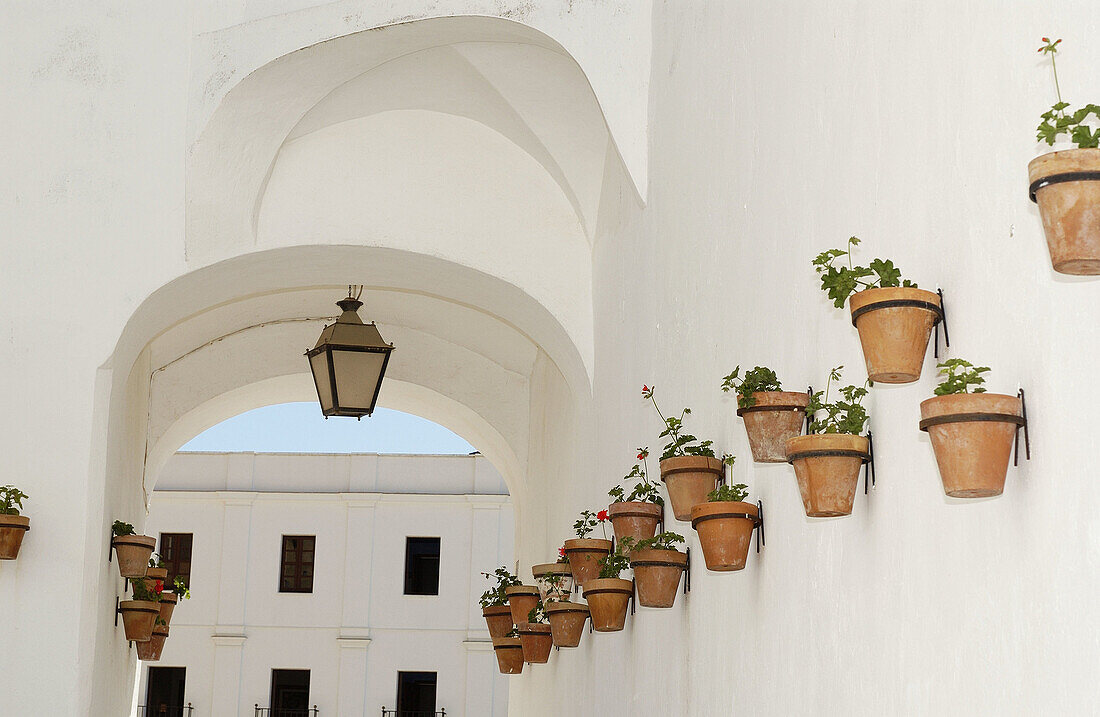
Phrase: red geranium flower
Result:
[561,552]
[158,587]
[601,516]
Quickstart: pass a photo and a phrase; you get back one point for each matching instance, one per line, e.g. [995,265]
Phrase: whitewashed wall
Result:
[357,629]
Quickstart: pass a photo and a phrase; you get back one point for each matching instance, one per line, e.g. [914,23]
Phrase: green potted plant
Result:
[771,415]
[150,650]
[13,526]
[169,599]
[494,602]
[894,318]
[155,570]
[534,636]
[131,551]
[1066,184]
[827,461]
[566,619]
[636,515]
[584,553]
[554,580]
[140,614]
[509,652]
[725,533]
[658,566]
[972,432]
[608,595]
[689,468]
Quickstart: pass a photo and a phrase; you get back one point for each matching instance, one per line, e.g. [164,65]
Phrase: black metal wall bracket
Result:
[869,464]
[110,545]
[118,608]
[687,572]
[1027,434]
[809,417]
[633,594]
[946,334]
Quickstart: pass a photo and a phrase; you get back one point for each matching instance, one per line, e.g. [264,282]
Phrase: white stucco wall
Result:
[357,629]
[757,136]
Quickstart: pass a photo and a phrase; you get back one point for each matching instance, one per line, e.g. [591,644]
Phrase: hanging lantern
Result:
[348,363]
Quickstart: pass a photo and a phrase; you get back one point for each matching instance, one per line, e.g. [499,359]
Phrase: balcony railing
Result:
[279,712]
[413,713]
[165,711]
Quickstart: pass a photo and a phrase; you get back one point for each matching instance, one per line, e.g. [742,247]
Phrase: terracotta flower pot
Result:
[608,599]
[138,617]
[657,574]
[689,479]
[12,530]
[132,554]
[509,652]
[894,326]
[152,575]
[566,622]
[521,600]
[150,651]
[972,446]
[827,467]
[167,606]
[565,587]
[583,555]
[634,519]
[1070,210]
[536,642]
[775,417]
[498,618]
[724,537]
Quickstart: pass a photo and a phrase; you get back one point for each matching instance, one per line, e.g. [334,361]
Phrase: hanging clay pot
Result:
[132,554]
[724,533]
[827,467]
[564,586]
[894,326]
[634,519]
[584,555]
[150,651]
[12,530]
[167,606]
[498,618]
[1069,205]
[566,622]
[775,417]
[689,479]
[152,575]
[521,600]
[138,618]
[608,599]
[972,436]
[509,652]
[657,574]
[536,642]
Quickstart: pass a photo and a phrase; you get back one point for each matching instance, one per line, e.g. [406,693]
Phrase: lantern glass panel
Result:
[321,376]
[357,377]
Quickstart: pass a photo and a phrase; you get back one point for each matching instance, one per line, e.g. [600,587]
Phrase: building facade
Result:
[345,583]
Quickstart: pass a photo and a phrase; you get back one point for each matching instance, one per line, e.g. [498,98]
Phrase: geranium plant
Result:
[680,443]
[142,591]
[758,380]
[1060,119]
[617,560]
[182,591]
[959,376]
[844,415]
[840,282]
[496,595]
[537,614]
[119,528]
[728,493]
[644,490]
[662,541]
[588,522]
[11,500]
[155,561]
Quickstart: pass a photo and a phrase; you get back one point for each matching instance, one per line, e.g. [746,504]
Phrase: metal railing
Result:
[413,713]
[165,711]
[280,712]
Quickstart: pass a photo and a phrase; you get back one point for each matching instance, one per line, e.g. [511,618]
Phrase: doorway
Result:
[415,694]
[289,693]
[164,694]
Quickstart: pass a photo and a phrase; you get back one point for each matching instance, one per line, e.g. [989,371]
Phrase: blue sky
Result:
[300,428]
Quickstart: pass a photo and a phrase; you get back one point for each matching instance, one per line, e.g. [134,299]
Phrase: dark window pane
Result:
[297,564]
[422,566]
[289,692]
[175,551]
[415,693]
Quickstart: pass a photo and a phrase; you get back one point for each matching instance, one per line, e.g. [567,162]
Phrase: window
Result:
[164,694]
[289,693]
[296,575]
[415,693]
[421,566]
[175,551]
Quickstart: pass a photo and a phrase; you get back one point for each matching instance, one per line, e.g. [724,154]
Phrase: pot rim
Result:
[689,464]
[550,569]
[636,509]
[502,610]
[140,540]
[713,510]
[680,562]
[521,590]
[619,587]
[785,401]
[15,522]
[139,606]
[565,606]
[861,449]
[529,628]
[587,545]
[892,297]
